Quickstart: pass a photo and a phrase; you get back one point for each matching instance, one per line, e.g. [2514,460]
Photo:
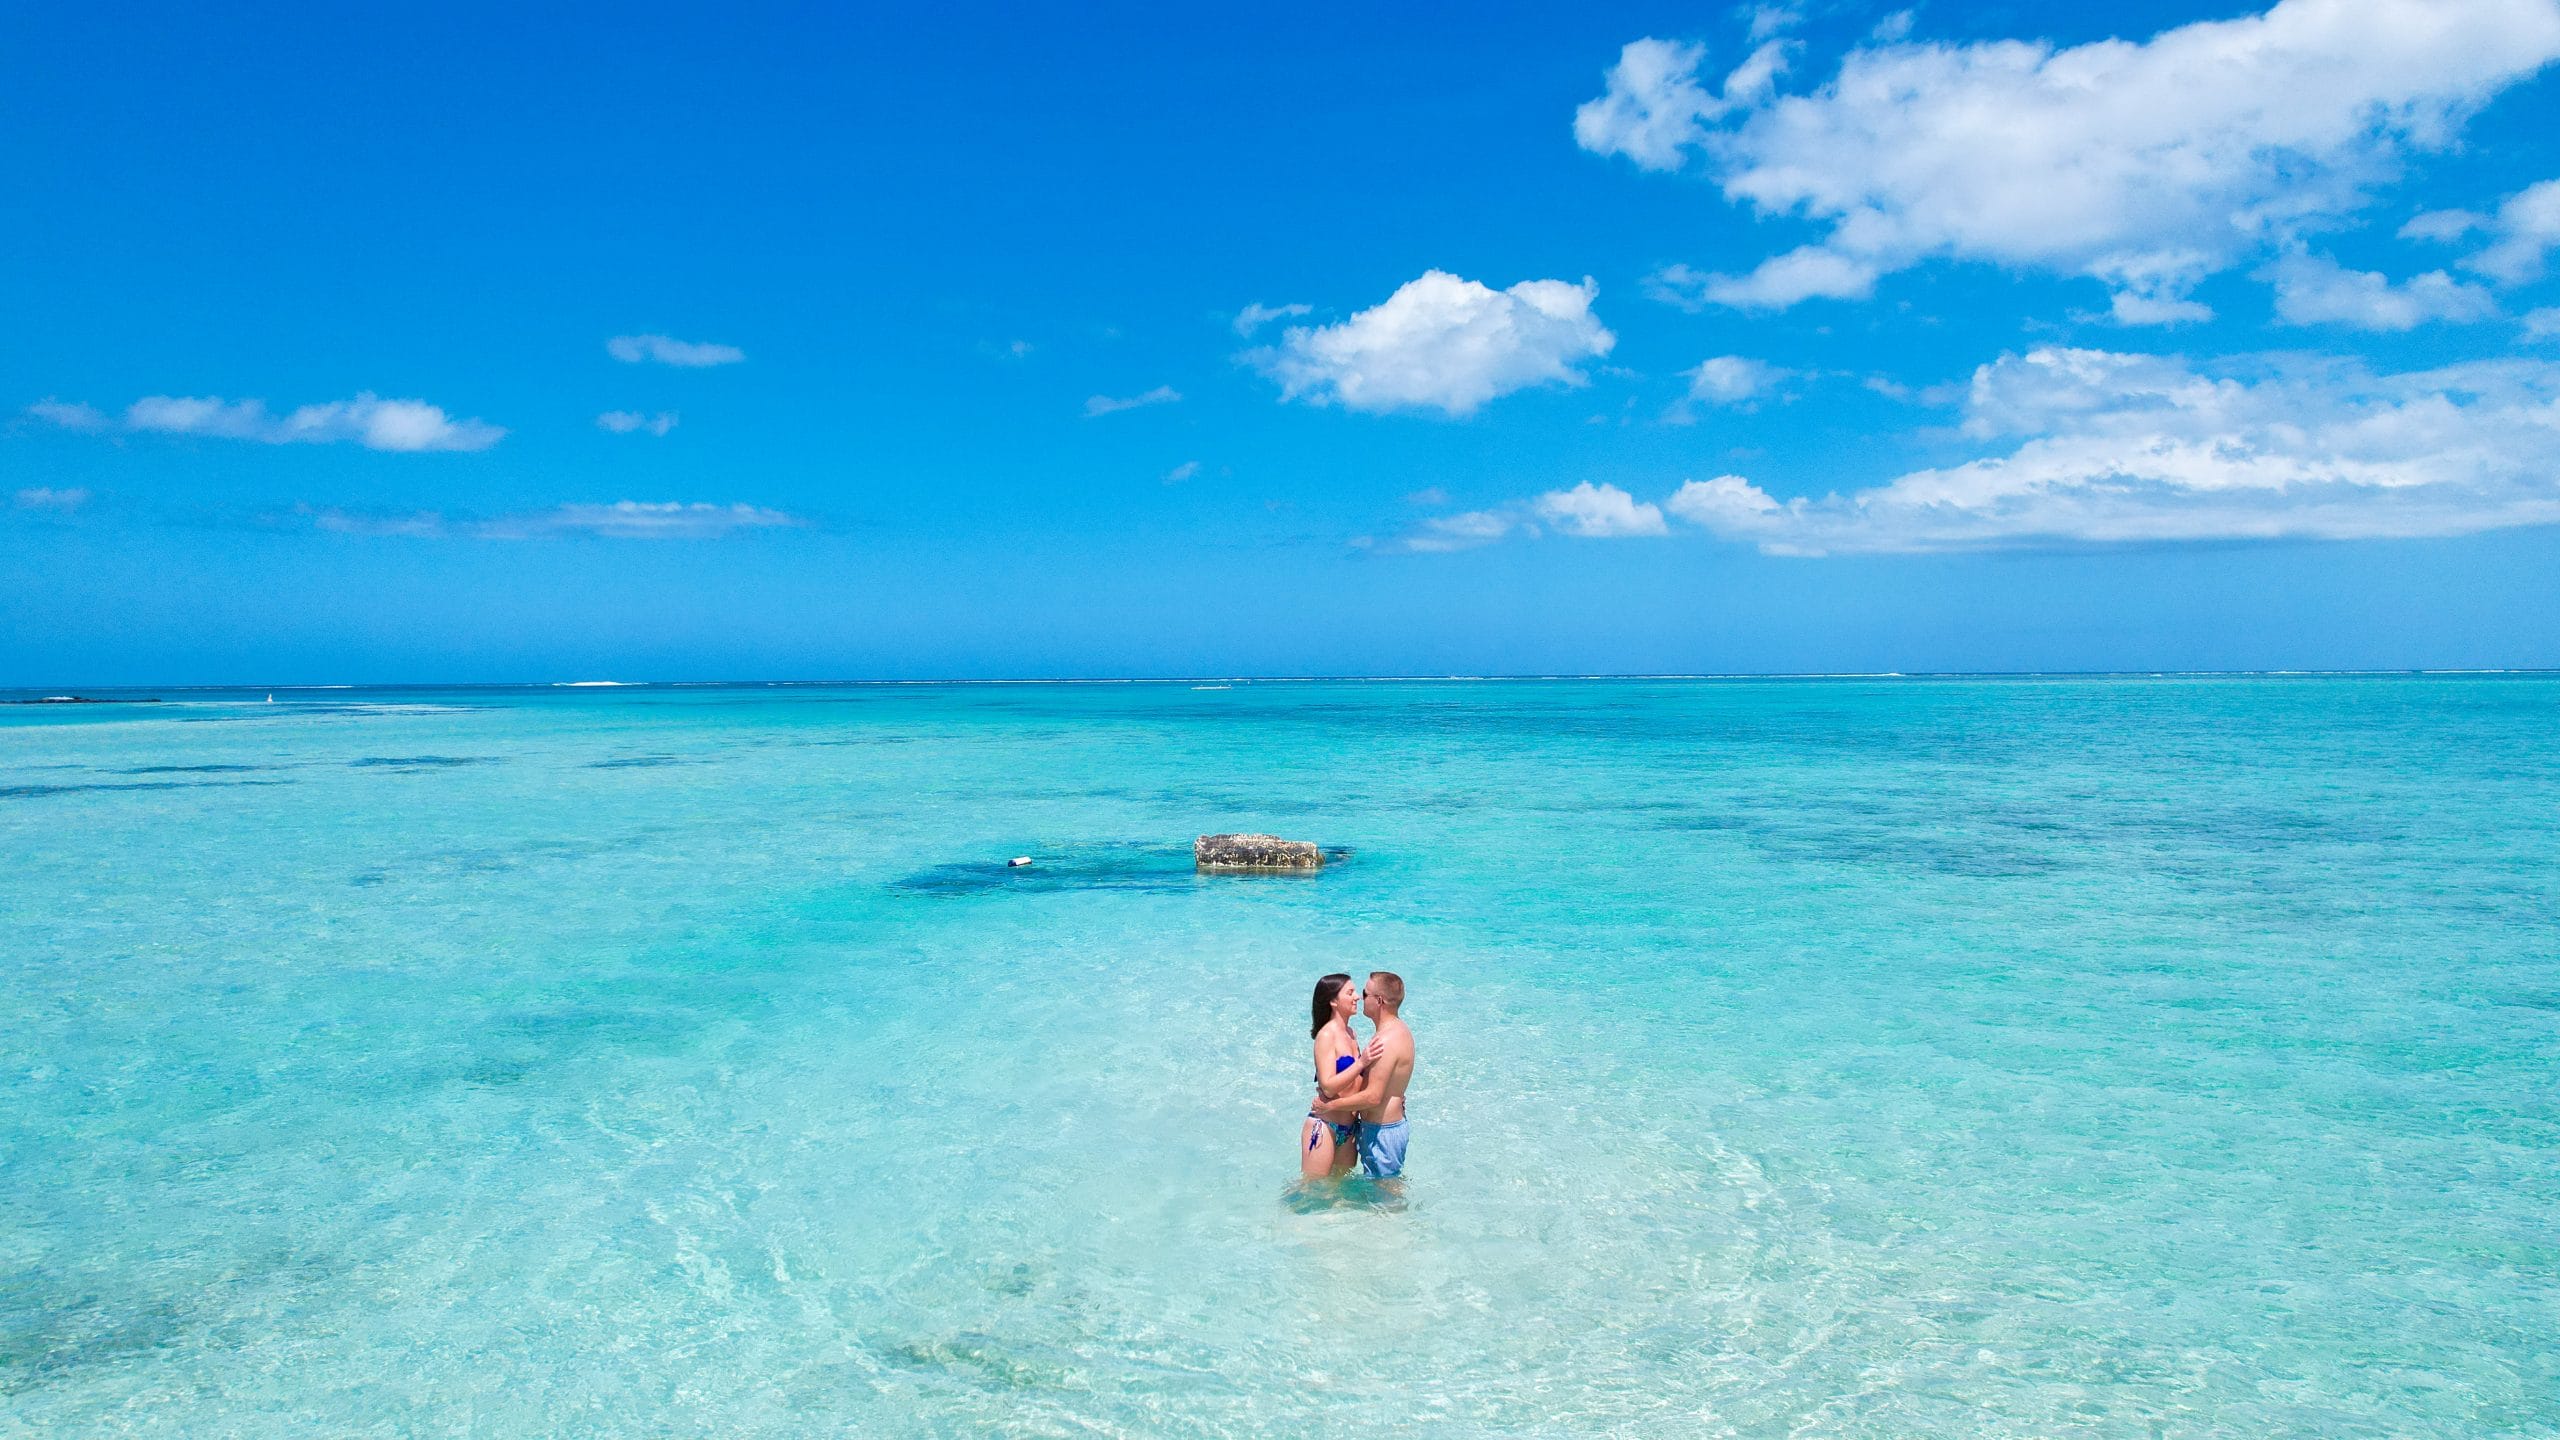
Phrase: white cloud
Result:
[1681,285]
[2542,324]
[367,420]
[419,525]
[46,498]
[1441,342]
[627,422]
[2527,227]
[638,520]
[1808,272]
[2442,225]
[1733,380]
[2122,448]
[1443,533]
[1256,315]
[1599,512]
[1106,405]
[2132,308]
[2316,290]
[1182,472]
[2146,165]
[1768,21]
[623,520]
[70,416]
[1727,504]
[1654,109]
[667,350]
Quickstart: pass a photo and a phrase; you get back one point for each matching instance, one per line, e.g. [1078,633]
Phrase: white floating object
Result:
[1017,862]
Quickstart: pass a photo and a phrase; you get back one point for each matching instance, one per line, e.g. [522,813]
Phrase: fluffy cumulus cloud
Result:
[2109,447]
[623,520]
[668,350]
[367,420]
[2146,165]
[632,422]
[2316,290]
[1097,405]
[1654,109]
[1442,343]
[1599,512]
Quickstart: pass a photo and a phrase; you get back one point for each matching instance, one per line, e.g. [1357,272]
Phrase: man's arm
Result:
[1371,1093]
[1341,1081]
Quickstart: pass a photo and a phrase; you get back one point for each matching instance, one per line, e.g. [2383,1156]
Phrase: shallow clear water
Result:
[1857,1058]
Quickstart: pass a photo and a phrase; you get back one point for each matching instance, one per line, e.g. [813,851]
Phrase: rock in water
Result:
[1255,852]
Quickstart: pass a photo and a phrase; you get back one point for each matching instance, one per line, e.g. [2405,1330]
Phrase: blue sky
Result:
[947,341]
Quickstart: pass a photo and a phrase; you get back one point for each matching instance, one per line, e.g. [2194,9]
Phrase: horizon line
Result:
[43,691]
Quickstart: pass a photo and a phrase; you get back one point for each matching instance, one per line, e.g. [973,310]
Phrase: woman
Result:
[1324,1148]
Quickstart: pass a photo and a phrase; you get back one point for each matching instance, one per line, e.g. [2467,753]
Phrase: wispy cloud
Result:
[1443,533]
[1679,285]
[631,422]
[367,420]
[2522,231]
[1442,343]
[1256,315]
[70,416]
[421,524]
[1106,405]
[1733,380]
[639,520]
[667,350]
[623,520]
[47,498]
[1182,472]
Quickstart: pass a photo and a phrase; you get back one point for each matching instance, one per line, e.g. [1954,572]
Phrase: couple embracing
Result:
[1358,1111]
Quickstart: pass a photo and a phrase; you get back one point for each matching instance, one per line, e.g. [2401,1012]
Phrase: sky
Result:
[509,343]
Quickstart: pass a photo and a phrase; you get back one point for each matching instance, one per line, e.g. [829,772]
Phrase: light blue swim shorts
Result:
[1382,1149]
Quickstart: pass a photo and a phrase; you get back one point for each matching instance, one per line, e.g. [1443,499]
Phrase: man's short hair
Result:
[1387,985]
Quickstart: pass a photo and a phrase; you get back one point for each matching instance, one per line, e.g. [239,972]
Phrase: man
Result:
[1379,1102]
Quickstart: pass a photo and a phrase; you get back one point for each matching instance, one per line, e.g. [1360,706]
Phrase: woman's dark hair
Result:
[1326,989]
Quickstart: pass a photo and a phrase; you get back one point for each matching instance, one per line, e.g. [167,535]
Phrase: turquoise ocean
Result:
[2140,1056]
